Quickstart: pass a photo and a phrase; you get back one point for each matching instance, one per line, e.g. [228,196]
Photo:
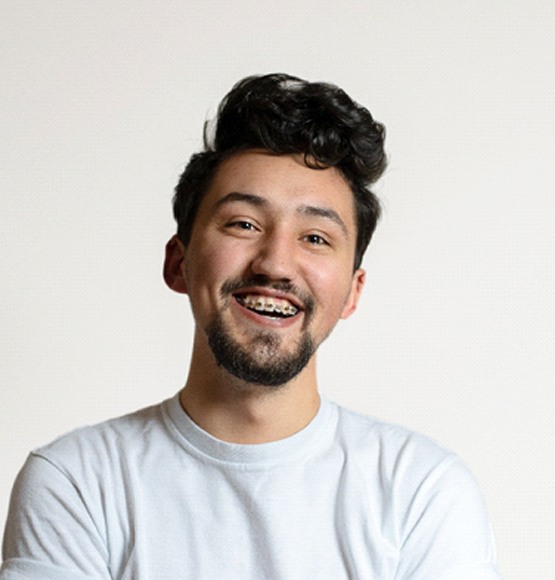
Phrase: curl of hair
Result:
[287,115]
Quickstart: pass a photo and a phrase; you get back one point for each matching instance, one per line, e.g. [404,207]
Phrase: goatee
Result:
[260,362]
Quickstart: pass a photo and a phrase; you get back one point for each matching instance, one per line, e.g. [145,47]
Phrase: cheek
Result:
[210,265]
[331,289]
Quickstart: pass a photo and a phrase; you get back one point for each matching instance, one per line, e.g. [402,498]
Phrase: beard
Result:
[261,362]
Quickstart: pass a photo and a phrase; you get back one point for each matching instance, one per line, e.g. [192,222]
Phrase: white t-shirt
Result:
[152,496]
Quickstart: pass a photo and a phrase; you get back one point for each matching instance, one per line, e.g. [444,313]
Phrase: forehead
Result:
[285,182]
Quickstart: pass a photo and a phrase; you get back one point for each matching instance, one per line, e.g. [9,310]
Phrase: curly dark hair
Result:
[288,115]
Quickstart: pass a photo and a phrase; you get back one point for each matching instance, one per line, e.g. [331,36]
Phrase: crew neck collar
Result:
[200,442]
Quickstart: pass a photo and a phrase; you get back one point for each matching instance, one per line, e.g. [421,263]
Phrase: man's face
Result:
[269,266]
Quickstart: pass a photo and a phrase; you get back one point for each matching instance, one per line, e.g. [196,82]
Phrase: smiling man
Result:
[248,473]
[269,269]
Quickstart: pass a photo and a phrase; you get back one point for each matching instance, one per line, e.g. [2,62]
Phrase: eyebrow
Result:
[326,213]
[235,196]
[305,209]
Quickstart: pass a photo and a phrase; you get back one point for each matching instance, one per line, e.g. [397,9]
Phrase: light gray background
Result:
[103,102]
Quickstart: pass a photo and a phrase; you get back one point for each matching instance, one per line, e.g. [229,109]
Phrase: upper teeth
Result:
[268,304]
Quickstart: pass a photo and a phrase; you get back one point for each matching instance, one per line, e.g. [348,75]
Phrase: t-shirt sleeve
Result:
[446,533]
[50,533]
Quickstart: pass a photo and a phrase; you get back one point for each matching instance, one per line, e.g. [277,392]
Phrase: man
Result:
[248,473]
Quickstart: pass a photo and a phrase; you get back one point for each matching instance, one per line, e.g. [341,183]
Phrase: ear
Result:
[357,284]
[174,265]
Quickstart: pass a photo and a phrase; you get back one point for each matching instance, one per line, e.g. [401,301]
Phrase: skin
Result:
[271,220]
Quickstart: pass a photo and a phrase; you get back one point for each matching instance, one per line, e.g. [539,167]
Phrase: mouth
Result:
[268,306]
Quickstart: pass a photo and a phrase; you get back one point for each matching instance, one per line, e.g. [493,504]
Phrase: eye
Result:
[241,228]
[242,225]
[316,240]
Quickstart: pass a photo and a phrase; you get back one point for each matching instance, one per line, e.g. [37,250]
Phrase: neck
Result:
[239,412]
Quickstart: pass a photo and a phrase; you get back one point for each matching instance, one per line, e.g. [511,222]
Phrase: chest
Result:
[322,518]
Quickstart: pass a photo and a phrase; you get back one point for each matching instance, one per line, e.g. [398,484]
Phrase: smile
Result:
[268,305]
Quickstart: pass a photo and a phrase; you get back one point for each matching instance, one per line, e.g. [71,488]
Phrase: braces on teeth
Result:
[268,305]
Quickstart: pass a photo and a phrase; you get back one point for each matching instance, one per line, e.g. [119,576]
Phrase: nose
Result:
[275,258]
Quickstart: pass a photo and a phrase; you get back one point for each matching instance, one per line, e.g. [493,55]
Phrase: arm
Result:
[446,534]
[50,533]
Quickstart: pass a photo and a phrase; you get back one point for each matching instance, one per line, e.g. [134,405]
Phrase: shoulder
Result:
[391,443]
[107,442]
[404,463]
[72,494]
[423,491]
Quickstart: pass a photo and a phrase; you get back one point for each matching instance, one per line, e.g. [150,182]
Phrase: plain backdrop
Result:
[103,102]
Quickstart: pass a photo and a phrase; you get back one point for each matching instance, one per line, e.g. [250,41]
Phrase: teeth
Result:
[267,304]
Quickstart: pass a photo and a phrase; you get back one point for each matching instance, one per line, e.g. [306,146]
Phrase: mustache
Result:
[236,284]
